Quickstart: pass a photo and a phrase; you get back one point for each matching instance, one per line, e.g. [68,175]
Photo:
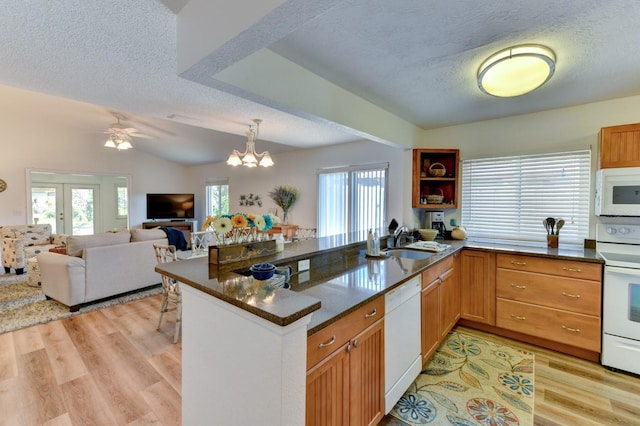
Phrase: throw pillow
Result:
[76,244]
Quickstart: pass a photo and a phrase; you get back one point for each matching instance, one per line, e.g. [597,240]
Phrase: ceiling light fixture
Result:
[121,142]
[516,70]
[249,158]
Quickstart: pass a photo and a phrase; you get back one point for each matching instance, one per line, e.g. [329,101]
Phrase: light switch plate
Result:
[304,265]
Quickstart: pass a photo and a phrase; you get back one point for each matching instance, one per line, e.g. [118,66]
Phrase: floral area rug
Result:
[471,381]
[22,305]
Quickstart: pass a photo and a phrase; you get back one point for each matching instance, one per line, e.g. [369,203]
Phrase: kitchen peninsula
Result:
[245,344]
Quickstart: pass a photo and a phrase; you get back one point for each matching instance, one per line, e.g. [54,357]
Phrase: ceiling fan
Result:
[120,136]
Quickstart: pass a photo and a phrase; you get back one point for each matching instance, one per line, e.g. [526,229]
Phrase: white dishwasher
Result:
[402,358]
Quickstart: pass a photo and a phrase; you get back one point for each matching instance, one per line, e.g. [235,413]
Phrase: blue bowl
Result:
[262,271]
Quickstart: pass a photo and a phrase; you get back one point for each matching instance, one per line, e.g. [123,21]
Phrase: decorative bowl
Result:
[428,234]
[262,271]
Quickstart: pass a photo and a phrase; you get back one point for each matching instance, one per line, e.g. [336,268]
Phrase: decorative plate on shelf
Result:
[3,185]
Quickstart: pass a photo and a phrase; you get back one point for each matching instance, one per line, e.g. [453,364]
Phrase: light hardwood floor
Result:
[112,367]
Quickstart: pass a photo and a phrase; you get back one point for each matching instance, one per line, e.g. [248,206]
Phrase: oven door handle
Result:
[624,271]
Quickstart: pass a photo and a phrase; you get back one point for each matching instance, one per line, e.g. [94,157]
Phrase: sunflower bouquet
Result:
[239,228]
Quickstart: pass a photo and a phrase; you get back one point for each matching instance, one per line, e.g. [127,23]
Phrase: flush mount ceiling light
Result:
[516,70]
[249,158]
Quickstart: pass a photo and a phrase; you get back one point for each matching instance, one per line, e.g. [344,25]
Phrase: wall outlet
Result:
[304,265]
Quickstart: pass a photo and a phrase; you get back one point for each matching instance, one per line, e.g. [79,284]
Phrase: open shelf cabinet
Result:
[426,162]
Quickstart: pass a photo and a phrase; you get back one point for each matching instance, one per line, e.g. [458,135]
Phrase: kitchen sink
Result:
[408,253]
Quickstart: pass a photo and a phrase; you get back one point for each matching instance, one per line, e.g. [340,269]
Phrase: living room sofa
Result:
[101,266]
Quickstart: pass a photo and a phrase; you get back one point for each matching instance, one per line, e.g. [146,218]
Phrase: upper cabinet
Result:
[435,178]
[620,146]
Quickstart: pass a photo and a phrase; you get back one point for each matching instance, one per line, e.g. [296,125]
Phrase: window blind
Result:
[507,198]
[352,199]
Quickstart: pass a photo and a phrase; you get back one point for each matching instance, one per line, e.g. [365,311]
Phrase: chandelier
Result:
[249,158]
[121,142]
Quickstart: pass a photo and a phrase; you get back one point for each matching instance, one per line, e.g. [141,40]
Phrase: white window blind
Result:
[352,199]
[507,198]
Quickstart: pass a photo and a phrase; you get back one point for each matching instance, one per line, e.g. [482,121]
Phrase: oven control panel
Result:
[618,233]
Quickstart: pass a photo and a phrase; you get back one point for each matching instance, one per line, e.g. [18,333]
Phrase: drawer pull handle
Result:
[522,287]
[573,330]
[329,343]
[564,268]
[513,262]
[518,318]
[575,296]
[372,314]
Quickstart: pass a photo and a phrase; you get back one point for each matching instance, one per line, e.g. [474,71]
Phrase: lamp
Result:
[119,141]
[516,70]
[249,158]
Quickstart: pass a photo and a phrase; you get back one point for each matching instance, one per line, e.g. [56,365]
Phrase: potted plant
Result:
[285,197]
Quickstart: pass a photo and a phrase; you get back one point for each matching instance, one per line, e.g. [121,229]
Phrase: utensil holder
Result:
[552,241]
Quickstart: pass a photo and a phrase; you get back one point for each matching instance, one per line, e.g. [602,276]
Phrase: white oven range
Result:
[619,245]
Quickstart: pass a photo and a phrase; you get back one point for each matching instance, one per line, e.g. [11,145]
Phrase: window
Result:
[507,198]
[217,196]
[123,202]
[352,199]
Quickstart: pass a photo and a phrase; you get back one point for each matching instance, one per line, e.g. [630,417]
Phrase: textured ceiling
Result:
[415,59]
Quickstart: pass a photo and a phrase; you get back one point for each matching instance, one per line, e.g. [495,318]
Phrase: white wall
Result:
[33,138]
[557,130]
[298,168]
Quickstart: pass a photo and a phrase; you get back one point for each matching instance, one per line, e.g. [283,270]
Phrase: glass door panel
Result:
[81,202]
[47,206]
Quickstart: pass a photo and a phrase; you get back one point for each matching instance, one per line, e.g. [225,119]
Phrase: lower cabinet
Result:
[478,288]
[440,303]
[345,376]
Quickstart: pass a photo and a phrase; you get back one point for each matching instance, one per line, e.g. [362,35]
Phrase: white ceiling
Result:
[414,59]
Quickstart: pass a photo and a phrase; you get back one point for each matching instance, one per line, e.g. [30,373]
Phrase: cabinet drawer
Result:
[556,292]
[436,270]
[553,324]
[562,267]
[327,340]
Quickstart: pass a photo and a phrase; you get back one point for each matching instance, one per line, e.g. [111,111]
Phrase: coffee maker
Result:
[436,221]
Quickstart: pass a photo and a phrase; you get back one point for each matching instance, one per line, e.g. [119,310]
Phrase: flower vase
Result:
[285,217]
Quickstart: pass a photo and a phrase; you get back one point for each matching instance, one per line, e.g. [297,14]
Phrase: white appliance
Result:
[619,246]
[402,358]
[618,192]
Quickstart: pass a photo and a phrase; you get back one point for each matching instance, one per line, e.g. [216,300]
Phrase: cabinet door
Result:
[449,301]
[620,146]
[328,390]
[366,376]
[477,286]
[430,319]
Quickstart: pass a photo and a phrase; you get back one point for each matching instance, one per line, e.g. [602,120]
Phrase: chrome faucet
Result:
[398,234]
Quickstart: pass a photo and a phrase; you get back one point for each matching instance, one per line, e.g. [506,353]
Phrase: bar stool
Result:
[170,288]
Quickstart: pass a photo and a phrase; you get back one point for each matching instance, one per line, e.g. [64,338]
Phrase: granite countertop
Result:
[341,278]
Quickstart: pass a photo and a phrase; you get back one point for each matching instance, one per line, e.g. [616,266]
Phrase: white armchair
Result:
[22,242]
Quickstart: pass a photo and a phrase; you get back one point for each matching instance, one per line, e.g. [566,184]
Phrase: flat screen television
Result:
[170,206]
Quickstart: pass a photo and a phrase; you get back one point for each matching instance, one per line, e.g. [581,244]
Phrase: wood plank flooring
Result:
[112,367]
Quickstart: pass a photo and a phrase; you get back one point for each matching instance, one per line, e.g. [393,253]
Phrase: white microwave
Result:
[618,192]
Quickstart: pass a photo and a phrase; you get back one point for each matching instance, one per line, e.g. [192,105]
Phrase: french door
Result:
[69,208]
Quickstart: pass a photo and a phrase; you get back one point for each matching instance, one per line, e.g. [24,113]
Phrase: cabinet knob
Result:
[355,343]
[371,314]
[329,343]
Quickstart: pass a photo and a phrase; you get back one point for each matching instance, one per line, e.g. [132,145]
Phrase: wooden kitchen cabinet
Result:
[477,286]
[440,303]
[554,299]
[345,369]
[620,146]
[426,180]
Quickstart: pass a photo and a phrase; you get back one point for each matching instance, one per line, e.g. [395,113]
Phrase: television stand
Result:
[185,225]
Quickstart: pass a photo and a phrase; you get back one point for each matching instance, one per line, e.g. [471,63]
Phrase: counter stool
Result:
[170,288]
[33,272]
